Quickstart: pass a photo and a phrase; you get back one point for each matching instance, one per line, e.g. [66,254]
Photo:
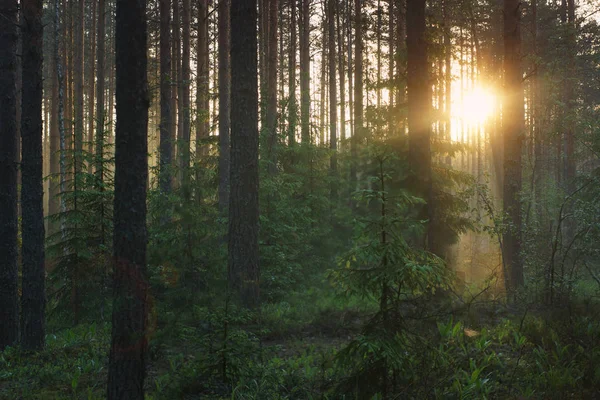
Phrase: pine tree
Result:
[33,299]
[9,308]
[127,363]
[244,273]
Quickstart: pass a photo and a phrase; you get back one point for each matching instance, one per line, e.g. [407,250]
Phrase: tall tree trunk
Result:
[53,201]
[166,135]
[182,148]
[323,81]
[127,364]
[419,110]
[9,301]
[224,104]
[570,163]
[202,70]
[342,73]
[400,78]
[243,266]
[78,68]
[513,135]
[293,105]
[305,71]
[100,112]
[91,83]
[175,62]
[378,38]
[272,87]
[447,76]
[357,137]
[33,298]
[185,93]
[537,120]
[391,63]
[331,7]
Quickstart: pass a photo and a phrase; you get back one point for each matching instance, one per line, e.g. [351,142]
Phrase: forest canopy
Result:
[299,199]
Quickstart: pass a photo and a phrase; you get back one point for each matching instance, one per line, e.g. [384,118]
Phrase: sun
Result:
[478,105]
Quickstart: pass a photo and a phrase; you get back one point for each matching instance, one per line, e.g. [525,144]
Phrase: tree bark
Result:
[331,4]
[358,134]
[419,110]
[305,71]
[185,93]
[202,95]
[513,113]
[9,303]
[224,103]
[272,87]
[166,135]
[91,83]
[293,105]
[342,73]
[33,298]
[243,206]
[129,342]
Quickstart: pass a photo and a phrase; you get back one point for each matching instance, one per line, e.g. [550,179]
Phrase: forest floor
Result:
[291,352]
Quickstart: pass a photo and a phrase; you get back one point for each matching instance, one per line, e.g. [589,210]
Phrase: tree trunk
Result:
[513,135]
[305,71]
[166,135]
[224,104]
[184,112]
[53,201]
[357,137]
[570,162]
[323,82]
[272,87]
[9,301]
[342,63]
[293,105]
[202,69]
[331,7]
[129,342]
[419,110]
[91,83]
[400,78]
[78,68]
[243,267]
[33,298]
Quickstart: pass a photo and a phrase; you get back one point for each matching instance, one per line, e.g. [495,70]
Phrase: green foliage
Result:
[79,243]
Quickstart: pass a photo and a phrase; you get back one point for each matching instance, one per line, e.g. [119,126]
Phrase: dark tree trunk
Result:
[293,105]
[272,87]
[419,109]
[91,84]
[358,92]
[184,113]
[400,78]
[183,149]
[33,298]
[9,306]
[166,135]
[78,92]
[53,201]
[129,337]
[513,113]
[323,81]
[342,73]
[100,113]
[244,271]
[305,71]
[202,95]
[332,98]
[224,104]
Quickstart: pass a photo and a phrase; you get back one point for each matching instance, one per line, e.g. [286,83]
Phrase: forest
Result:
[299,199]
